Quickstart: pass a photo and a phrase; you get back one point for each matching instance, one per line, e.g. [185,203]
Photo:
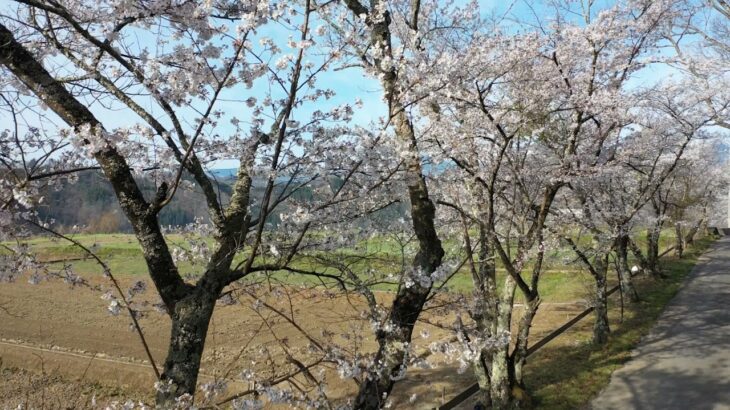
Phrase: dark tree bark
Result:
[652,250]
[144,222]
[390,359]
[679,240]
[598,268]
[624,272]
[601,328]
[689,239]
[140,213]
[523,332]
[639,255]
[190,307]
[190,320]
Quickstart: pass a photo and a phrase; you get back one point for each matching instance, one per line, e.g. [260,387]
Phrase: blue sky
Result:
[350,84]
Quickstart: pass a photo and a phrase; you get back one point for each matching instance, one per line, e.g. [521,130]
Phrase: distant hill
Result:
[223,173]
[90,205]
[428,168]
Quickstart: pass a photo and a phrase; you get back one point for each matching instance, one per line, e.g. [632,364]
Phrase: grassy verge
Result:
[570,372]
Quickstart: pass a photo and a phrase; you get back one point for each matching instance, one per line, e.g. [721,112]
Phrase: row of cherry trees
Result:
[511,137]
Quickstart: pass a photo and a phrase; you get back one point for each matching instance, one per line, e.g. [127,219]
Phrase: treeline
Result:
[88,204]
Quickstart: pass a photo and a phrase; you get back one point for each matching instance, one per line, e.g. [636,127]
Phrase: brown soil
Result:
[61,343]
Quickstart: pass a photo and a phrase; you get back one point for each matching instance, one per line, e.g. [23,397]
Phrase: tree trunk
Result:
[190,321]
[643,263]
[484,312]
[502,379]
[689,239]
[519,356]
[498,373]
[624,272]
[481,373]
[494,370]
[502,371]
[652,250]
[601,327]
[679,245]
[390,359]
[523,333]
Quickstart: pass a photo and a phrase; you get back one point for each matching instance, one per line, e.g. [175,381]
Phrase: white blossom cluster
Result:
[534,141]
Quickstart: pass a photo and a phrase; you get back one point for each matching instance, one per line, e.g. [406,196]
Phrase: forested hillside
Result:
[90,205]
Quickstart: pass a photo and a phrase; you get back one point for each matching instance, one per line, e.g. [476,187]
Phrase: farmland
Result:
[65,336]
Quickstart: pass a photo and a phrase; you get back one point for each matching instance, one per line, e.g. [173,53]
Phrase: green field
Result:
[563,279]
[566,373]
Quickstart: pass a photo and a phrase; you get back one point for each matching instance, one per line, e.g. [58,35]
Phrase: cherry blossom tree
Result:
[503,110]
[701,49]
[522,117]
[688,196]
[509,139]
[624,177]
[199,82]
[370,29]
[501,187]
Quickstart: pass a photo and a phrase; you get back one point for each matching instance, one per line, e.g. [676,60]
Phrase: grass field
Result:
[558,283]
[59,322]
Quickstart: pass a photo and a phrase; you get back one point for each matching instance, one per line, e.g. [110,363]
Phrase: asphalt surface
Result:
[684,363]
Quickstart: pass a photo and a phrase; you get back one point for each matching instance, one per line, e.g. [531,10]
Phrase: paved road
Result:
[684,363]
